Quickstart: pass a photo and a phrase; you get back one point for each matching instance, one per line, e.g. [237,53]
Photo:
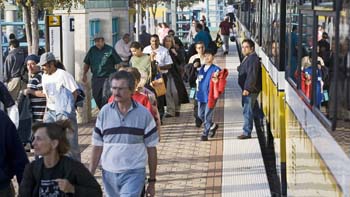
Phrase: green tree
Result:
[185,3]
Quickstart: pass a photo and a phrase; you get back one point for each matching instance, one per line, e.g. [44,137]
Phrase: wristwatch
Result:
[151,180]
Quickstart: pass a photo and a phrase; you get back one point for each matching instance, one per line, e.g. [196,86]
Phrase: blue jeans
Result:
[251,111]
[206,115]
[52,116]
[126,184]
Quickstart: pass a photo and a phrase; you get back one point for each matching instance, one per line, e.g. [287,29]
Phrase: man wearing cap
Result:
[60,90]
[35,88]
[103,60]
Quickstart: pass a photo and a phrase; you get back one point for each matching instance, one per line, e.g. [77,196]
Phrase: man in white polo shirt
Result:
[159,56]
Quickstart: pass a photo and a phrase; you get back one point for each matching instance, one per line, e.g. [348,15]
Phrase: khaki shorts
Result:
[15,85]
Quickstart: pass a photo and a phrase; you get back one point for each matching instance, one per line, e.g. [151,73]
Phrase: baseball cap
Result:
[98,35]
[46,57]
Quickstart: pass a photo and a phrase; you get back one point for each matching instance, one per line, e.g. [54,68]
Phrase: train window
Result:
[266,23]
[255,20]
[303,71]
[339,84]
[275,31]
[324,5]
[292,37]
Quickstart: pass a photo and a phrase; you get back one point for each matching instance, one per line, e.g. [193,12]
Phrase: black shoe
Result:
[177,114]
[168,115]
[198,122]
[243,137]
[213,129]
[226,52]
[204,138]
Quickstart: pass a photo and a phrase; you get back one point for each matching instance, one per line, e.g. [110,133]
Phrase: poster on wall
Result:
[54,30]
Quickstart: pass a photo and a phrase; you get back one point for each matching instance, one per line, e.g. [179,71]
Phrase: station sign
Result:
[54,30]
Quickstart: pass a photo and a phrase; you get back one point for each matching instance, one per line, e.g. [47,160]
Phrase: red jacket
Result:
[217,87]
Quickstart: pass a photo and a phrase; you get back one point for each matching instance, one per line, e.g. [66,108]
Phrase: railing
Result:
[106,4]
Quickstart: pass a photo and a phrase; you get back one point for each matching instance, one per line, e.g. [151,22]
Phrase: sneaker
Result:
[198,122]
[213,129]
[243,137]
[204,138]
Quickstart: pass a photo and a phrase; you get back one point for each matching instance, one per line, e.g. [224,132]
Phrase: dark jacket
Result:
[75,172]
[12,155]
[249,77]
[174,71]
[144,39]
[5,96]
[14,64]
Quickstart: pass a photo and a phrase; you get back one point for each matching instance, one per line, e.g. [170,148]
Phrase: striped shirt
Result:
[38,103]
[124,138]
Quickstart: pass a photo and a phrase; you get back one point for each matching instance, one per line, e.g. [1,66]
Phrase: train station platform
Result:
[222,166]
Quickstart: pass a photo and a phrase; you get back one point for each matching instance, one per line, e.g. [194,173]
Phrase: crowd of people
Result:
[131,110]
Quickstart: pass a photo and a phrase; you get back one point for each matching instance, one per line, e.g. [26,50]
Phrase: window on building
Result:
[94,28]
[115,28]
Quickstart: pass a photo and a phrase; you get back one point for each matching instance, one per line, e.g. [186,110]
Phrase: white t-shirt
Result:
[53,83]
[230,9]
[163,57]
[123,49]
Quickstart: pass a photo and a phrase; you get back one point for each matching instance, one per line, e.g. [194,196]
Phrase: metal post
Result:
[137,7]
[207,12]
[173,15]
[1,58]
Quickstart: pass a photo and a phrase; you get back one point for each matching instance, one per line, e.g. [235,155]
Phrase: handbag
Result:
[158,85]
[218,41]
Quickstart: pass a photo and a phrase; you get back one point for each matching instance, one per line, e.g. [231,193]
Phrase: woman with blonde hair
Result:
[55,174]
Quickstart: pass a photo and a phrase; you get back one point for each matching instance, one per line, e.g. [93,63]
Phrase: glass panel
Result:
[115,30]
[254,27]
[266,23]
[306,3]
[325,4]
[292,38]
[339,101]
[305,68]
[275,30]
[94,29]
[256,21]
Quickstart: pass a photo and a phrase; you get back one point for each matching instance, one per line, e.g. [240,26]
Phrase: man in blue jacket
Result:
[12,156]
[249,79]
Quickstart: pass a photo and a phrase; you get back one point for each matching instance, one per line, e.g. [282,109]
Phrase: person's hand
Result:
[245,93]
[28,91]
[196,64]
[65,186]
[153,55]
[84,78]
[151,190]
[173,51]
